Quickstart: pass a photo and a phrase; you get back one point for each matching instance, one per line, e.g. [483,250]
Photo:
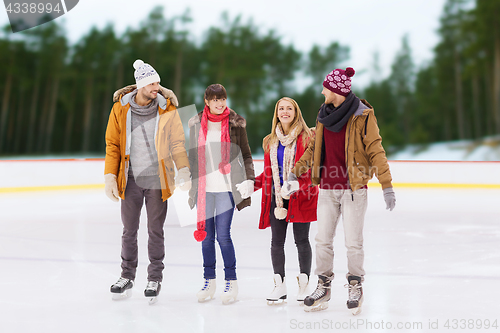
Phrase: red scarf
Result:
[224,166]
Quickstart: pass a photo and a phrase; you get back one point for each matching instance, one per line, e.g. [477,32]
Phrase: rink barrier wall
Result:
[32,175]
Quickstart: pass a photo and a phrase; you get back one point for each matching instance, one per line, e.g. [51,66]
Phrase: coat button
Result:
[291,217]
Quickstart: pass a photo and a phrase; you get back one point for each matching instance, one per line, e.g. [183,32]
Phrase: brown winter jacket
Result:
[365,156]
[240,159]
[169,142]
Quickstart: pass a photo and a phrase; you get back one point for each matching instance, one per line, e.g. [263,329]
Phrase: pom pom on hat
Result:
[349,71]
[138,63]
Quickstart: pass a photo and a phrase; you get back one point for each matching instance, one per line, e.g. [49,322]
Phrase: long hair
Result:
[298,120]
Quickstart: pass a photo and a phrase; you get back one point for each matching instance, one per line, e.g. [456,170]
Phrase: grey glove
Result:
[390,198]
[290,186]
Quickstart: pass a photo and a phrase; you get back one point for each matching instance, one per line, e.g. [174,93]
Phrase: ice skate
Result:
[152,291]
[303,281]
[230,292]
[318,300]
[355,296]
[279,291]
[207,292]
[122,289]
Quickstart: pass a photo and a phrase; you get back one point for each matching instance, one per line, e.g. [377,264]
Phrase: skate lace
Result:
[121,282]
[319,292]
[205,287]
[228,286]
[354,291]
[152,285]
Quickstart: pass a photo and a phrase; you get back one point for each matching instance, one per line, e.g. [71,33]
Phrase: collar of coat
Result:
[124,94]
[234,119]
[363,108]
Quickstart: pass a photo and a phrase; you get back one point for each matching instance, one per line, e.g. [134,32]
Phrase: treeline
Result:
[56,97]
[457,94]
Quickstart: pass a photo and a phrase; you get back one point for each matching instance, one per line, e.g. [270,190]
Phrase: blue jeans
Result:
[219,213]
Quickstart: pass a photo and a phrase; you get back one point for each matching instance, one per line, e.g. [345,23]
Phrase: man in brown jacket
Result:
[144,139]
[344,155]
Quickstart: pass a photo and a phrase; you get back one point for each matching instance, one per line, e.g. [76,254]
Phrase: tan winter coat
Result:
[169,142]
[364,154]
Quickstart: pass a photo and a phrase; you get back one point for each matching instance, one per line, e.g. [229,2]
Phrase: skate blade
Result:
[152,300]
[355,311]
[126,294]
[229,301]
[276,302]
[206,299]
[301,300]
[314,308]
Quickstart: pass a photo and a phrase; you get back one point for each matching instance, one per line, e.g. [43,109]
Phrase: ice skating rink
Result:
[432,265]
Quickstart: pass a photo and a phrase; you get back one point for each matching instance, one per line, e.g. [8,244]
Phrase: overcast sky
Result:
[365,26]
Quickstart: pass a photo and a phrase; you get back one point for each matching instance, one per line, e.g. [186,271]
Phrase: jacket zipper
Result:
[347,157]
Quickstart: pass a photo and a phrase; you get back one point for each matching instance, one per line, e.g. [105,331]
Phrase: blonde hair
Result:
[298,120]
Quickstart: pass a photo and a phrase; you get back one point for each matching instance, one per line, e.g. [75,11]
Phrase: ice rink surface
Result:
[433,261]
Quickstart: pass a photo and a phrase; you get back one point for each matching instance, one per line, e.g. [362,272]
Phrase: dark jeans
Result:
[156,210]
[301,235]
[219,213]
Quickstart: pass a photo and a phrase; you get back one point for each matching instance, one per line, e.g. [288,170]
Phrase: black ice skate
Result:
[122,289]
[318,300]
[355,296]
[152,291]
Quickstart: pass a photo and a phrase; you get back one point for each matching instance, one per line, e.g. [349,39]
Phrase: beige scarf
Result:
[289,142]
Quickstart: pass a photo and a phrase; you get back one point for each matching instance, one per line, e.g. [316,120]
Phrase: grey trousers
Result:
[352,206]
[156,210]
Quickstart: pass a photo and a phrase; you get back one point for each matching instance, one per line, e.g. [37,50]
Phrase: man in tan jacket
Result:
[144,139]
[344,155]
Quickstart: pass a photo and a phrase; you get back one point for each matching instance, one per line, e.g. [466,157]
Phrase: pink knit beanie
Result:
[339,81]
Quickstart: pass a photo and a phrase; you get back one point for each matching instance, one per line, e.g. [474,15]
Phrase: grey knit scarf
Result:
[334,118]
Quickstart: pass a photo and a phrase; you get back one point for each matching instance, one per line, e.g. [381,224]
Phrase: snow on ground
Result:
[487,149]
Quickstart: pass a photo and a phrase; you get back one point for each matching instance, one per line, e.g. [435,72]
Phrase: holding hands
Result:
[183,179]
[245,188]
[290,186]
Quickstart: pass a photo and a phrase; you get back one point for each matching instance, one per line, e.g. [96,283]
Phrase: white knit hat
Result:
[144,74]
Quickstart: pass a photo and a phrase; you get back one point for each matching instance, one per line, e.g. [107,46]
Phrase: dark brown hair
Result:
[215,91]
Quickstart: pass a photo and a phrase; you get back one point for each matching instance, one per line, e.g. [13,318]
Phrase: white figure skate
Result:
[230,292]
[279,291]
[303,281]
[207,292]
